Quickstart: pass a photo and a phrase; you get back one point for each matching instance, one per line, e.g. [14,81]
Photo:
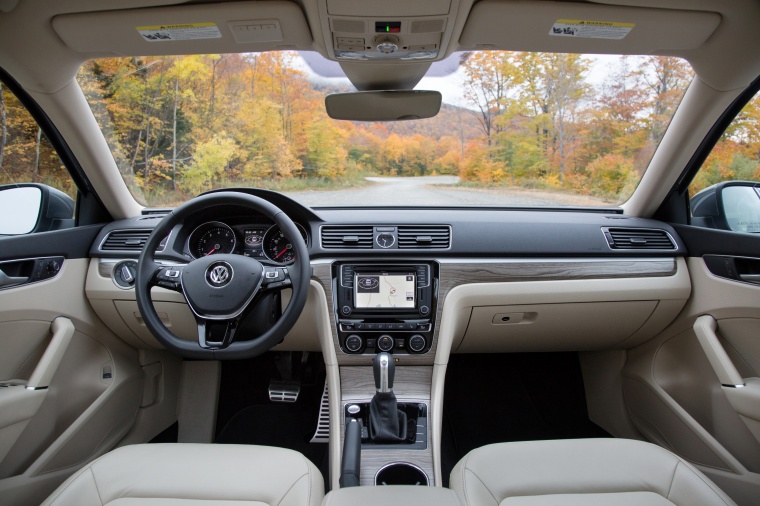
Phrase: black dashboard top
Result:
[423,233]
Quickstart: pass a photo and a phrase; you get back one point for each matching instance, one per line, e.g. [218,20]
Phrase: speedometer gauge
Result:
[279,248]
[211,238]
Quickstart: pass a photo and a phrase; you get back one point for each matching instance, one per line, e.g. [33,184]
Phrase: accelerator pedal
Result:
[284,390]
[322,434]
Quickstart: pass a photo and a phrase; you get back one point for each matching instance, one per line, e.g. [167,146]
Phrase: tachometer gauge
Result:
[211,238]
[278,248]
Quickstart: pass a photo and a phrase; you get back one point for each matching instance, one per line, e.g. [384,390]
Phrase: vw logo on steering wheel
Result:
[219,274]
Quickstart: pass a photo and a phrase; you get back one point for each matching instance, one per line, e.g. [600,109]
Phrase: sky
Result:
[447,77]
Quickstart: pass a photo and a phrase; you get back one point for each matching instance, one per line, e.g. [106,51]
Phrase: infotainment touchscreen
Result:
[384,290]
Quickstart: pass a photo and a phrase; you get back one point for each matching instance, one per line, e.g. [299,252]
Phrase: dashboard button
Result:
[416,343]
[385,343]
[354,343]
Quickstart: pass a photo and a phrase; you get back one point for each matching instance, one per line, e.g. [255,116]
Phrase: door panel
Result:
[673,393]
[93,396]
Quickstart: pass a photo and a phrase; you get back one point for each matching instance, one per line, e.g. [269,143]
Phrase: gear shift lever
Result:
[387,424]
[384,370]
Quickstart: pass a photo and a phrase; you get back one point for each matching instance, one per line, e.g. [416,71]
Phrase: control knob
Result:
[385,343]
[416,343]
[354,343]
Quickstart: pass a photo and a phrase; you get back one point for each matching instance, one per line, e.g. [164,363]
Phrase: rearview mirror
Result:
[732,205]
[397,105]
[32,207]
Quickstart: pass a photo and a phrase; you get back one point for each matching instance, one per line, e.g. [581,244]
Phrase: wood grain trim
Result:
[460,272]
[412,384]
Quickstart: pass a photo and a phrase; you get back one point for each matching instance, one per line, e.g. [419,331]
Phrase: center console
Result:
[385,307]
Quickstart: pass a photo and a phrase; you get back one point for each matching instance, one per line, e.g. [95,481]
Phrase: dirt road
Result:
[433,191]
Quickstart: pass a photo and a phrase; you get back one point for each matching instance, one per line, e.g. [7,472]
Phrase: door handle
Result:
[6,280]
[705,327]
[63,330]
[750,278]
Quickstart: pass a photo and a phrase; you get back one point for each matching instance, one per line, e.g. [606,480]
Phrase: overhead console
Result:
[385,307]
[389,30]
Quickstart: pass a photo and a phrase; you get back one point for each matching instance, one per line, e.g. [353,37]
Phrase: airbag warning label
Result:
[585,29]
[188,31]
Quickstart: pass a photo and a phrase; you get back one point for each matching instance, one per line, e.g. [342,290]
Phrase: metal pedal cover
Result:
[322,434]
[284,390]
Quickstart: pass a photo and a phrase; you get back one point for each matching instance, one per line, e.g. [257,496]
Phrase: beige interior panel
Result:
[162,371]
[388,8]
[527,26]
[117,307]
[675,397]
[115,32]
[555,327]
[23,343]
[91,399]
[741,338]
[175,316]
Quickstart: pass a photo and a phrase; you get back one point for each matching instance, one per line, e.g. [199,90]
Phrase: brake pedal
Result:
[284,390]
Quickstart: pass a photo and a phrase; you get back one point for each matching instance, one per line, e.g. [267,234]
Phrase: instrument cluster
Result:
[261,241]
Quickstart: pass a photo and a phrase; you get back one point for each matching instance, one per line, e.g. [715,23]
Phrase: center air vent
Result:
[424,237]
[638,239]
[346,237]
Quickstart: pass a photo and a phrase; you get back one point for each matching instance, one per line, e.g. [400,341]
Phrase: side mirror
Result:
[732,205]
[33,207]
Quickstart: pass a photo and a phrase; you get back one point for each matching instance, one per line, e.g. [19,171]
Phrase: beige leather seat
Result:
[589,472]
[197,474]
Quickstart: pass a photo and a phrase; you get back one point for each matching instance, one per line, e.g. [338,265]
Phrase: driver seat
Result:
[194,474]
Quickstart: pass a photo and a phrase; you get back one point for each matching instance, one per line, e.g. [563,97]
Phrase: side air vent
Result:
[129,240]
[424,237]
[340,237]
[638,239]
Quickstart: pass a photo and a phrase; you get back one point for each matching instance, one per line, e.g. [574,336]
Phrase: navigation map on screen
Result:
[385,290]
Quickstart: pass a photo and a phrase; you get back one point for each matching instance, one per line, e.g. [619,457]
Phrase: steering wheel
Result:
[222,289]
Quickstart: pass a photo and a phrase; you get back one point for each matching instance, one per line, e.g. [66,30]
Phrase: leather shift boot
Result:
[387,423]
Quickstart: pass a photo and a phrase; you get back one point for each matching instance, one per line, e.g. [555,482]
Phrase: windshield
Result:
[515,129]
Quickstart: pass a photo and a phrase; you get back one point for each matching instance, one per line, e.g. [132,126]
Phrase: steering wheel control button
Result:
[416,343]
[385,343]
[354,343]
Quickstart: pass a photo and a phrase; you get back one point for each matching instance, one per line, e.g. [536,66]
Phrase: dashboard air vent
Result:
[346,237]
[424,237]
[125,240]
[638,238]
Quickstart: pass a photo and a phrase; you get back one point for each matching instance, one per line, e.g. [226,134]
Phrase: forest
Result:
[180,125]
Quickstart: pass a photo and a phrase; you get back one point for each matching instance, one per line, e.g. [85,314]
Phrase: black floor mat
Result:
[246,416]
[284,425]
[512,397]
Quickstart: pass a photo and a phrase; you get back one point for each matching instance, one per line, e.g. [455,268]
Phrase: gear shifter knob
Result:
[384,370]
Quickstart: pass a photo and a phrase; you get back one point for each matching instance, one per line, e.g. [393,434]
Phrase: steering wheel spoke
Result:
[216,335]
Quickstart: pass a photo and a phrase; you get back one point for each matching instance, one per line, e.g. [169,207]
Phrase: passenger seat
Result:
[588,472]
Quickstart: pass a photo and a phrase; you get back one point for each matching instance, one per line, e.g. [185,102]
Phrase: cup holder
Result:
[401,473]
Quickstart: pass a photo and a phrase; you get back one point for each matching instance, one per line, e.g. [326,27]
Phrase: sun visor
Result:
[187,29]
[584,28]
